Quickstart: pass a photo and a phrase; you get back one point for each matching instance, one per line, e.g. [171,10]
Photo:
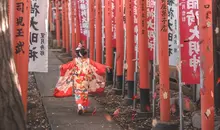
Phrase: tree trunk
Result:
[11,108]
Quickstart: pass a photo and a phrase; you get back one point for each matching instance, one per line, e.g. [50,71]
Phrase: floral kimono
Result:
[84,76]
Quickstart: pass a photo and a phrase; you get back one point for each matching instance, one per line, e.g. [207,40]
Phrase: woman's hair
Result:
[81,52]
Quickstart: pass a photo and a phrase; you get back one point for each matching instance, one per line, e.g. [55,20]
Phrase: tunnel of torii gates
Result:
[119,45]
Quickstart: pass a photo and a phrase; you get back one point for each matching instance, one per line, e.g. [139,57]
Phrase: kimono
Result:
[81,76]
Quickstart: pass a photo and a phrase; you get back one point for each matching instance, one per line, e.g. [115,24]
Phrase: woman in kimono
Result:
[82,75]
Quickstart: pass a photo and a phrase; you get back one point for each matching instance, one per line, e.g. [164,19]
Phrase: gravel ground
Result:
[36,118]
[126,117]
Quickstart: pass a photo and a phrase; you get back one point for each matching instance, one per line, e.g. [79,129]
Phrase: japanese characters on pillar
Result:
[77,23]
[98,31]
[38,51]
[135,25]
[82,10]
[91,29]
[189,40]
[163,60]
[206,29]
[151,27]
[113,23]
[19,27]
[20,41]
[72,7]
[173,32]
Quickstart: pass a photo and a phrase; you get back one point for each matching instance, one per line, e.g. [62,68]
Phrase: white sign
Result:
[173,33]
[38,51]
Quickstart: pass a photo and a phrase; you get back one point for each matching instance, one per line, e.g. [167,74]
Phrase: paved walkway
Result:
[62,111]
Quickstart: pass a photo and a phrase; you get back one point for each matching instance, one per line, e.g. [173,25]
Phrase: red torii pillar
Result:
[143,55]
[129,13]
[73,28]
[50,15]
[98,31]
[21,58]
[207,66]
[63,25]
[77,24]
[67,27]
[91,28]
[119,43]
[163,60]
[57,23]
[108,33]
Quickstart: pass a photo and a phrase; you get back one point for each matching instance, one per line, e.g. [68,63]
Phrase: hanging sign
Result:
[38,51]
[135,26]
[151,27]
[173,32]
[83,19]
[113,23]
[189,39]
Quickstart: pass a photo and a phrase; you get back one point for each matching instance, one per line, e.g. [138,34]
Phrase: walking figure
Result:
[80,76]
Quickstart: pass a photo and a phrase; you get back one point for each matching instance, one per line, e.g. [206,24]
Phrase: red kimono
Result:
[84,76]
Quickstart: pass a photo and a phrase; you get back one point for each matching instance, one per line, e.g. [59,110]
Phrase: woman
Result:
[84,76]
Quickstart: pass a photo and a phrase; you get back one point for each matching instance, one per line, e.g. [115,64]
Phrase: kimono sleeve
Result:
[65,67]
[101,69]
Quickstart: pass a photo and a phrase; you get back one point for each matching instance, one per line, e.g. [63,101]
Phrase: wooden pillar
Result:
[50,15]
[57,23]
[77,24]
[119,42]
[63,25]
[99,31]
[73,28]
[108,37]
[91,28]
[129,13]
[206,60]
[143,55]
[67,27]
[21,40]
[163,60]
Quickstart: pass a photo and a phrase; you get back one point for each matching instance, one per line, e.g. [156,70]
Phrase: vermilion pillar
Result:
[21,38]
[129,13]
[77,24]
[108,33]
[163,60]
[206,56]
[98,31]
[63,25]
[50,15]
[57,23]
[73,27]
[143,55]
[67,27]
[119,43]
[91,28]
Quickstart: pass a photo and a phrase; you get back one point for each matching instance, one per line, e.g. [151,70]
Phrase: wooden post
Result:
[91,28]
[50,15]
[98,31]
[57,23]
[63,25]
[129,13]
[21,40]
[77,24]
[163,61]
[73,28]
[67,27]
[108,33]
[206,62]
[119,43]
[143,55]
